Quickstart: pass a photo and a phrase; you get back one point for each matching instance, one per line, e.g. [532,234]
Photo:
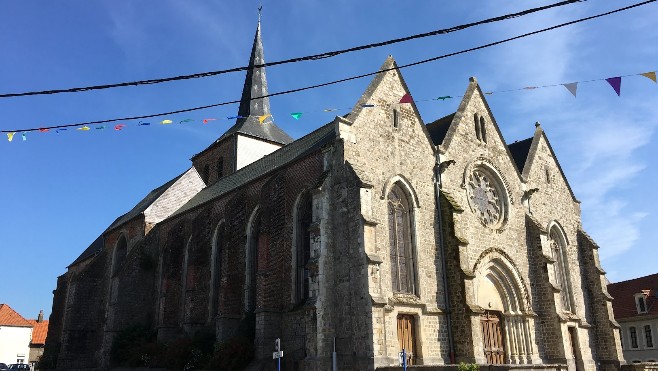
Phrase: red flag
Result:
[44,130]
[119,127]
[205,121]
[406,98]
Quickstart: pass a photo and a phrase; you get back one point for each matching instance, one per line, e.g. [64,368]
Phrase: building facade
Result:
[636,310]
[15,336]
[374,233]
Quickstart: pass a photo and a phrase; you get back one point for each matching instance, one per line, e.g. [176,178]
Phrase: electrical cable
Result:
[347,78]
[294,60]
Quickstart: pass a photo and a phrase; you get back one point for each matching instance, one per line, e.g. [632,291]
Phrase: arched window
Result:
[476,120]
[120,252]
[400,241]
[560,267]
[302,254]
[216,269]
[257,249]
[483,130]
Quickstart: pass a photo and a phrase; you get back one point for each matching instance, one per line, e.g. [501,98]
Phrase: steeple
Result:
[251,110]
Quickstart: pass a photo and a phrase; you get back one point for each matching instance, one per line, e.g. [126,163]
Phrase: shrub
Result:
[468,367]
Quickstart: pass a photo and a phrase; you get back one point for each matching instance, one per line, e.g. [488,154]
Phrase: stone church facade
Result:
[373,233]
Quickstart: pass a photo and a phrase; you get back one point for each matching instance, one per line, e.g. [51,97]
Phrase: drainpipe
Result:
[437,194]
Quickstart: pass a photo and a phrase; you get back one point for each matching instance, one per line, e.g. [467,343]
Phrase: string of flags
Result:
[572,87]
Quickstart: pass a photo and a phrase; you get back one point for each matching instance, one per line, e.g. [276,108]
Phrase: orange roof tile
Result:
[39,331]
[9,317]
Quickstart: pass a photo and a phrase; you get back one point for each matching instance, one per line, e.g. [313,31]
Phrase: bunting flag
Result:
[102,127]
[143,123]
[166,122]
[235,117]
[44,130]
[330,109]
[186,120]
[530,88]
[488,92]
[58,130]
[650,75]
[119,127]
[367,105]
[205,121]
[296,115]
[84,128]
[615,82]
[572,87]
[406,98]
[24,136]
[10,136]
[262,118]
[444,97]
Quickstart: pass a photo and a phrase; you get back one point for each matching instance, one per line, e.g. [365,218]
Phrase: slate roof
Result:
[275,160]
[143,204]
[439,128]
[92,250]
[255,85]
[624,295]
[39,331]
[9,317]
[519,151]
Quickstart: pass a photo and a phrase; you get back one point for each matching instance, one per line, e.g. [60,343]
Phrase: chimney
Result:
[40,318]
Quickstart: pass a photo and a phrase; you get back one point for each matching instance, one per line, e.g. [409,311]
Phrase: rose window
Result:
[485,198]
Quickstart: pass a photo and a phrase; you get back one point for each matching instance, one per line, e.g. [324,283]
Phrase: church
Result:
[376,232]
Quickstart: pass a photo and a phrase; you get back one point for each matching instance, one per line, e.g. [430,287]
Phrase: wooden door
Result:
[406,337]
[492,337]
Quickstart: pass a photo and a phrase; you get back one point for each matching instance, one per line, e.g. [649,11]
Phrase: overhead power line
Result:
[347,78]
[294,60]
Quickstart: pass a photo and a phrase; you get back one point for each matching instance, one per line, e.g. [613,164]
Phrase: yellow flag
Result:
[84,128]
[10,136]
[261,119]
[165,122]
[650,75]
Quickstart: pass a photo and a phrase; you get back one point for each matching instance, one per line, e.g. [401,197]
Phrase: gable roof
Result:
[519,151]
[275,160]
[39,331]
[624,295]
[9,317]
[439,128]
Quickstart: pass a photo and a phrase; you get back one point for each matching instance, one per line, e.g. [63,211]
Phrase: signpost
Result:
[278,354]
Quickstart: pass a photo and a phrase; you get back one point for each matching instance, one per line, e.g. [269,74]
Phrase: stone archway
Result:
[500,290]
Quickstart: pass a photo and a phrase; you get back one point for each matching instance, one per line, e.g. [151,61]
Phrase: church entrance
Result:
[406,338]
[492,337]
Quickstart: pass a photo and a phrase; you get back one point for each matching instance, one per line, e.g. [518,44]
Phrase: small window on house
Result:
[483,130]
[476,120]
[648,336]
[206,173]
[640,303]
[396,118]
[633,333]
[220,168]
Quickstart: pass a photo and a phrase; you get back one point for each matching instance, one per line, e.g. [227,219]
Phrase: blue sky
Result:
[60,191]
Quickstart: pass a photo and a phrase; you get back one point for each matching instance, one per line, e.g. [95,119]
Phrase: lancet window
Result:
[400,241]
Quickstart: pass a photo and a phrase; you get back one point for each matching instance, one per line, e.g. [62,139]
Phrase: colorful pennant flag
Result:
[650,75]
[58,130]
[444,97]
[205,121]
[10,136]
[262,118]
[367,105]
[119,127]
[488,92]
[24,136]
[44,130]
[143,123]
[165,122]
[296,115]
[406,98]
[530,88]
[330,109]
[572,87]
[615,82]
[235,117]
[186,120]
[84,128]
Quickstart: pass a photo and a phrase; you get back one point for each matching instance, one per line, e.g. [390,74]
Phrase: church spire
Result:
[252,111]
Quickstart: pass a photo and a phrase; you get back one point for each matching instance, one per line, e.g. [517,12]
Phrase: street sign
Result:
[277,355]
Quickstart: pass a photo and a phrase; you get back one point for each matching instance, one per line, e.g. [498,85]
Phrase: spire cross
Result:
[260,8]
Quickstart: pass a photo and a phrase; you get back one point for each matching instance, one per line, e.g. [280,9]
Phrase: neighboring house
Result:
[15,335]
[39,334]
[636,310]
[374,232]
